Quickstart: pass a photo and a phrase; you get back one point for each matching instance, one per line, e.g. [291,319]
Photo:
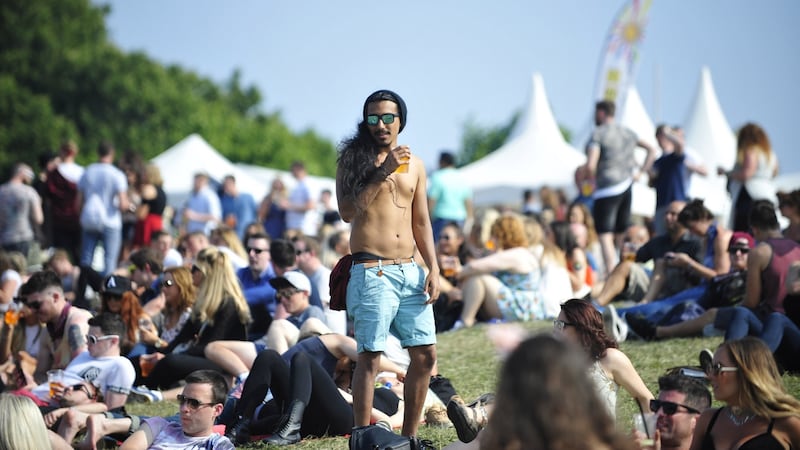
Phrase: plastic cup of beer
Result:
[403,167]
[55,379]
[449,266]
[646,424]
[146,364]
[629,251]
[11,317]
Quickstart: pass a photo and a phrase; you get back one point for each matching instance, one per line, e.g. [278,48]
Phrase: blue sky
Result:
[315,61]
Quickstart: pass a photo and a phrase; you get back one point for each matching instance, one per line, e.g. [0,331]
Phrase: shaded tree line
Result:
[62,78]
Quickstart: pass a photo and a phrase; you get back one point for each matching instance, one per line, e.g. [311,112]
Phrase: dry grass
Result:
[468,359]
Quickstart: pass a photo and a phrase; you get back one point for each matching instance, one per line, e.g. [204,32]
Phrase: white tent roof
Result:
[179,164]
[709,135]
[635,117]
[265,175]
[707,129]
[535,155]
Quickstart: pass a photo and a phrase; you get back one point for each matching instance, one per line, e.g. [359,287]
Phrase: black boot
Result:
[239,432]
[289,430]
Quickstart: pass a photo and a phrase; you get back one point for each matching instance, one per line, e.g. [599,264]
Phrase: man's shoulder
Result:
[78,316]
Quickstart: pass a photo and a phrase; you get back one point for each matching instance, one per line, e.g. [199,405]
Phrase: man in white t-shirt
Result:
[101,364]
[200,402]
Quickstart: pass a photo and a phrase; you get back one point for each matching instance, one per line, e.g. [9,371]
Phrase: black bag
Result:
[380,437]
[725,290]
[377,437]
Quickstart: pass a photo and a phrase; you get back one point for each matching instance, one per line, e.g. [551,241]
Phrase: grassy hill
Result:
[468,359]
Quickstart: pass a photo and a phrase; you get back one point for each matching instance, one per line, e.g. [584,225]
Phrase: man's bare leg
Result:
[688,328]
[609,250]
[615,283]
[418,377]
[98,426]
[363,385]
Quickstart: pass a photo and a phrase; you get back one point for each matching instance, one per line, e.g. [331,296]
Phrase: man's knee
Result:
[424,357]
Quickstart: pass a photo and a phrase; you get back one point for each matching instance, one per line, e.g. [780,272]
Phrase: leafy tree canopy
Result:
[62,78]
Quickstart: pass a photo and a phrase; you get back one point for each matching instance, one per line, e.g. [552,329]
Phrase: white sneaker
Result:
[145,395]
[458,325]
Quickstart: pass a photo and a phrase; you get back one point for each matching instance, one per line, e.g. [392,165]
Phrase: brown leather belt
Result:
[368,263]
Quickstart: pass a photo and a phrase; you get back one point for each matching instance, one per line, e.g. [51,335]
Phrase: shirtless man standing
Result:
[388,291]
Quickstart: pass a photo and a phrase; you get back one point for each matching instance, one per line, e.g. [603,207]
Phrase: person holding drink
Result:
[388,211]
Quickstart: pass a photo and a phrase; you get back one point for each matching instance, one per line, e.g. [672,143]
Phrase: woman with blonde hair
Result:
[225,236]
[555,283]
[759,413]
[505,284]
[751,176]
[219,313]
[21,424]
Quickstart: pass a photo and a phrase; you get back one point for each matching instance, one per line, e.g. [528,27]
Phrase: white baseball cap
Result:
[293,279]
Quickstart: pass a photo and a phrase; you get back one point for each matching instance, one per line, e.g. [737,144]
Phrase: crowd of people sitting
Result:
[226,310]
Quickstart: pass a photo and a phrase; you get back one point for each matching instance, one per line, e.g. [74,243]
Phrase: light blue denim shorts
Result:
[394,301]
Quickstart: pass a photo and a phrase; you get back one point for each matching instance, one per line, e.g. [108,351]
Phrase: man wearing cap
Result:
[293,290]
[20,210]
[67,325]
[388,291]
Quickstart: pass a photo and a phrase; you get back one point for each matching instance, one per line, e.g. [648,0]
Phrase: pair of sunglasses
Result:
[167,283]
[193,403]
[92,339]
[81,387]
[257,251]
[388,118]
[286,293]
[669,408]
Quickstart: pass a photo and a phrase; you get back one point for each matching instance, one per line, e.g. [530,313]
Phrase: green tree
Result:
[61,77]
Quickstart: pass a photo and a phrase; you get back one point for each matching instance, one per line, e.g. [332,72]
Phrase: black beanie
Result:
[385,94]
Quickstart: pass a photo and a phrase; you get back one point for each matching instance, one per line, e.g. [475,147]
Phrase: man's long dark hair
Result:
[356,162]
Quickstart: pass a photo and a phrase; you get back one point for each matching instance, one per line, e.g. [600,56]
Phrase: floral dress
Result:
[519,298]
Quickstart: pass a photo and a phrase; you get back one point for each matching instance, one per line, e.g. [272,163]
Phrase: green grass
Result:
[468,359]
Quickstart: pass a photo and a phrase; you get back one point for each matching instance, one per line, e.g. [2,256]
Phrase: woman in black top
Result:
[758,412]
[220,313]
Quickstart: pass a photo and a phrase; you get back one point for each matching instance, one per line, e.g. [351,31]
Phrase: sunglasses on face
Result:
[108,297]
[34,305]
[299,252]
[167,283]
[718,368]
[669,408]
[559,325]
[256,250]
[92,339]
[734,250]
[388,118]
[286,293]
[192,403]
[82,387]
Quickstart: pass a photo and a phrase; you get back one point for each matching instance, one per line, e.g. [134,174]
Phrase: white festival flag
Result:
[621,51]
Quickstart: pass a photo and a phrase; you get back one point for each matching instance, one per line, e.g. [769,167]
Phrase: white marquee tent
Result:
[535,155]
[709,135]
[634,116]
[179,164]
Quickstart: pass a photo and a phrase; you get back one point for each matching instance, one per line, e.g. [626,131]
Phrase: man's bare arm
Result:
[423,232]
